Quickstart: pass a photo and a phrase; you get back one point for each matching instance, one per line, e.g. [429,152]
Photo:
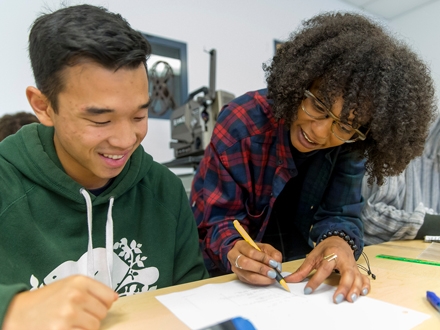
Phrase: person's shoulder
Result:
[253,104]
[13,185]
[345,150]
[348,159]
[246,116]
[161,181]
[161,185]
[253,98]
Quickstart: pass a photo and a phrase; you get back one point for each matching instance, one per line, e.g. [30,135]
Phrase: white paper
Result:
[272,307]
[432,252]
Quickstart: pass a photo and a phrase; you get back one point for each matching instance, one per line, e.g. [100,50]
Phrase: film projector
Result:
[192,124]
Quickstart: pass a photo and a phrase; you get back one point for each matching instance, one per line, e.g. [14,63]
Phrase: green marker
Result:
[417,261]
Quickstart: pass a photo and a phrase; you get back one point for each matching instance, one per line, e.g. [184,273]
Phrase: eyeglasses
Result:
[342,131]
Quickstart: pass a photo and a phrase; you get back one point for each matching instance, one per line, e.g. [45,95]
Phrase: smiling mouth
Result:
[114,157]
[307,138]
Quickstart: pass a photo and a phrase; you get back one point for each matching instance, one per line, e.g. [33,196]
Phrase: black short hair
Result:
[66,36]
[379,77]
[10,124]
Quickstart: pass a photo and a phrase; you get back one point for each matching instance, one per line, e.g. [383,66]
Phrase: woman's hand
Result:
[352,283]
[253,266]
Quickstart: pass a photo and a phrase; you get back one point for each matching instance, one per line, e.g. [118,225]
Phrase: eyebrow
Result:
[146,105]
[99,111]
[325,107]
[320,102]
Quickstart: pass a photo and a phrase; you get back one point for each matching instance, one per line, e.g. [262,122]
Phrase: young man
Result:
[343,97]
[78,195]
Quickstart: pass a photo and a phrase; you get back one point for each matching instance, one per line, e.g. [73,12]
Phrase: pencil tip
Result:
[284,284]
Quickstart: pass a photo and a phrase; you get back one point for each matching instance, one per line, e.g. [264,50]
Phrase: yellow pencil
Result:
[248,239]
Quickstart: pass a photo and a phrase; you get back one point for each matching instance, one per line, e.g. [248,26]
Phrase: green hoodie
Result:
[139,234]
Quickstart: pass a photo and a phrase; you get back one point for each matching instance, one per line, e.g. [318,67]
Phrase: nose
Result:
[322,128]
[124,136]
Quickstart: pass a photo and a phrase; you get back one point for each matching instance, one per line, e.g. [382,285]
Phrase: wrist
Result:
[341,234]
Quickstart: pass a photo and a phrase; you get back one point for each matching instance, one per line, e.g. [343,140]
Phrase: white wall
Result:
[242,32]
[421,29]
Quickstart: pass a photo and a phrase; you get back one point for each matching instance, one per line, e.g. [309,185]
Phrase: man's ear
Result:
[41,105]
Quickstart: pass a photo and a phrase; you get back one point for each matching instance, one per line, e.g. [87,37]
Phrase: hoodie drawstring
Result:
[108,238]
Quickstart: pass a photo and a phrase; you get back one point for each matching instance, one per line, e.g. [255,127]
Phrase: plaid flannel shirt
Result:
[246,166]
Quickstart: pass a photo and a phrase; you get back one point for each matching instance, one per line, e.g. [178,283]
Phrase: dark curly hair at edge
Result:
[10,124]
[384,83]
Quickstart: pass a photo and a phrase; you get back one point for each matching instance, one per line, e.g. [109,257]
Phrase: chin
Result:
[298,146]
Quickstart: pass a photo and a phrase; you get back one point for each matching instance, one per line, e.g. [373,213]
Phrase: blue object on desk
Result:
[237,323]
[433,299]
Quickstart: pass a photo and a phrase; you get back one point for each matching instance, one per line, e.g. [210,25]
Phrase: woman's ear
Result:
[41,105]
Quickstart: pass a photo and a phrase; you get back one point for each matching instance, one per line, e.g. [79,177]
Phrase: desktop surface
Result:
[400,283]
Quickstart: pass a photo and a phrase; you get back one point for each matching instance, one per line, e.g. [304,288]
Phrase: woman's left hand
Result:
[352,283]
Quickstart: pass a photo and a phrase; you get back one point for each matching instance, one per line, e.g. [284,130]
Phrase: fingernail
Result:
[271,273]
[365,291]
[307,290]
[339,298]
[273,264]
[279,267]
[354,297]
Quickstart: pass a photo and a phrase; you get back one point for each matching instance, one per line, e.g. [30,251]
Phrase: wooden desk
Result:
[400,283]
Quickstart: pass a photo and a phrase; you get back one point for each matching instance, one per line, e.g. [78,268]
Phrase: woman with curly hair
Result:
[343,97]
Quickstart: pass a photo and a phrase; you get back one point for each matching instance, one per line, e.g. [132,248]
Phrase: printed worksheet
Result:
[272,307]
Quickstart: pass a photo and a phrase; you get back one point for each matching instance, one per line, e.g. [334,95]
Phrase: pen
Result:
[417,261]
[433,299]
[248,239]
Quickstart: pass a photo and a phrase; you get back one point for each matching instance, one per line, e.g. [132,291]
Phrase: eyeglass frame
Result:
[361,136]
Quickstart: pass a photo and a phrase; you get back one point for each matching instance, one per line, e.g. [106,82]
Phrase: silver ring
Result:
[236,262]
[331,257]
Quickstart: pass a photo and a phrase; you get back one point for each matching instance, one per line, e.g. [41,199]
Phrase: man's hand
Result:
[352,283]
[76,302]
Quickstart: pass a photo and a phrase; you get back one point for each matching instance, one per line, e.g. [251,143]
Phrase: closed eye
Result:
[345,128]
[318,107]
[100,122]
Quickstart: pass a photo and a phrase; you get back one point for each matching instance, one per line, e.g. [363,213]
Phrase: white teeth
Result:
[112,156]
[306,137]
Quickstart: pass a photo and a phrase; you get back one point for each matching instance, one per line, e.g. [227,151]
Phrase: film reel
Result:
[162,88]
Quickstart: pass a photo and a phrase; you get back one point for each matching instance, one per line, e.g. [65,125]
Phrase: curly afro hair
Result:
[386,86]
